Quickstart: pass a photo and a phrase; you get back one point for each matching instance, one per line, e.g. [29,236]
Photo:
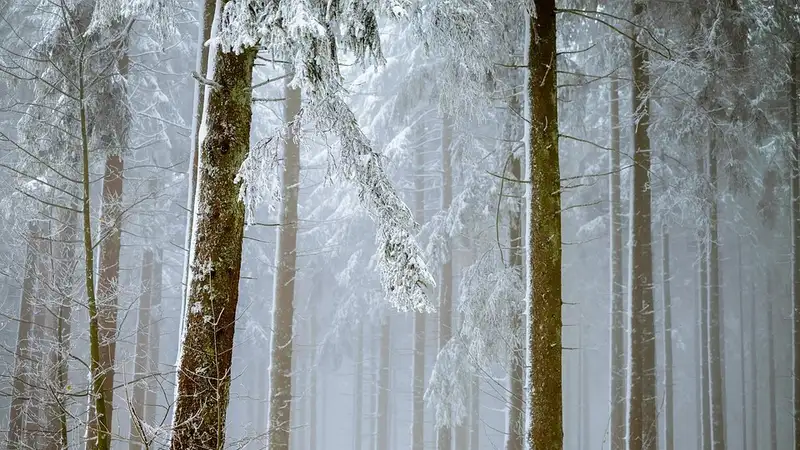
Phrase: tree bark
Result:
[204,371]
[745,440]
[617,301]
[22,352]
[444,434]
[642,418]
[383,386]
[516,393]
[753,369]
[154,362]
[420,318]
[137,405]
[715,348]
[669,425]
[546,404]
[280,375]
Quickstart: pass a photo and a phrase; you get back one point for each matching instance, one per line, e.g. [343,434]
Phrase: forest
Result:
[399,224]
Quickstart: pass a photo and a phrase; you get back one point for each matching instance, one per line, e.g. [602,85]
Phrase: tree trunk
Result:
[773,405]
[154,363]
[444,434]
[795,241]
[204,375]
[753,369]
[617,301]
[586,403]
[137,402]
[715,348]
[280,375]
[383,386]
[745,441]
[516,393]
[420,318]
[358,404]
[642,412]
[705,401]
[22,353]
[39,395]
[669,413]
[475,415]
[545,235]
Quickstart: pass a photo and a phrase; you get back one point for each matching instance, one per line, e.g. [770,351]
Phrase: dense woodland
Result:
[387,224]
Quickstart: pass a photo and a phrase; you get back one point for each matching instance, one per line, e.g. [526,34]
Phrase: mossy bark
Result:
[204,372]
[545,327]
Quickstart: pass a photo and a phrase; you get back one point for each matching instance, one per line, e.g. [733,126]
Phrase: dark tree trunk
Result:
[204,372]
[545,235]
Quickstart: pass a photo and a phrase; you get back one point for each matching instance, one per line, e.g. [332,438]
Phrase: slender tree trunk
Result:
[22,353]
[668,364]
[705,400]
[39,394]
[642,417]
[154,362]
[137,402]
[545,235]
[280,375]
[97,433]
[382,411]
[617,301]
[444,434]
[586,403]
[773,406]
[418,382]
[753,369]
[475,415]
[745,441]
[204,376]
[795,241]
[698,367]
[358,404]
[516,393]
[715,348]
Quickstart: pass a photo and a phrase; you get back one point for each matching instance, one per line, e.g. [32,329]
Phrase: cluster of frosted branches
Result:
[306,30]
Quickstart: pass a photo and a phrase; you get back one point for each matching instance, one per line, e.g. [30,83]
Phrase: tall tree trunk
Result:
[516,393]
[666,300]
[699,411]
[154,362]
[280,374]
[795,241]
[137,405]
[420,318]
[204,376]
[745,440]
[715,348]
[753,369]
[642,418]
[22,352]
[773,406]
[545,235]
[39,394]
[705,400]
[444,434]
[358,404]
[617,301]
[382,410]
[475,414]
[586,403]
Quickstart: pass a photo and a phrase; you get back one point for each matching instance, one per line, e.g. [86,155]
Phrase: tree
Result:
[141,367]
[617,303]
[418,378]
[544,303]
[444,434]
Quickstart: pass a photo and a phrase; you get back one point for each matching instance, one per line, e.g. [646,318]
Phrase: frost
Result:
[197,308]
